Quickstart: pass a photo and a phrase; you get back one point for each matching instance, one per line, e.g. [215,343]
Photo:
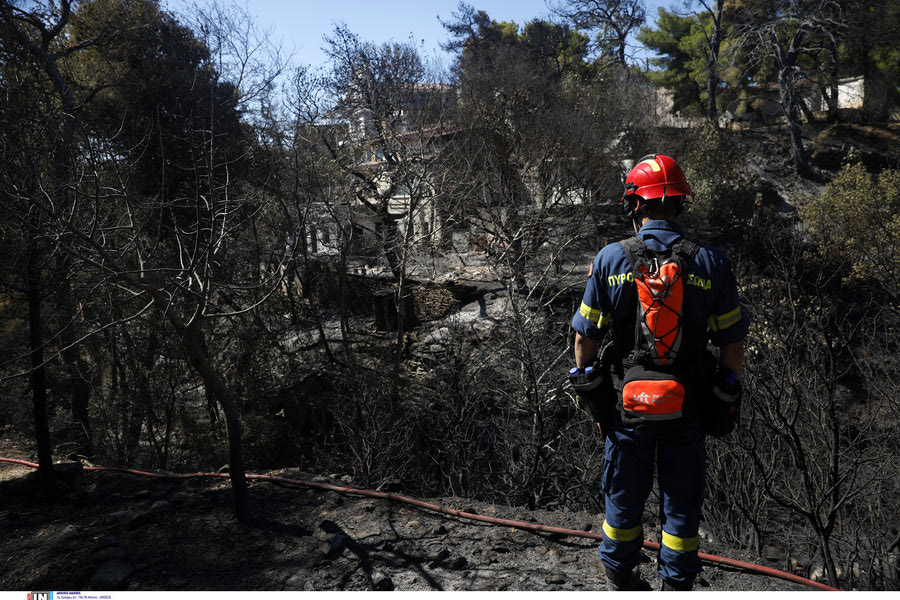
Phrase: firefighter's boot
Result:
[625,582]
[674,586]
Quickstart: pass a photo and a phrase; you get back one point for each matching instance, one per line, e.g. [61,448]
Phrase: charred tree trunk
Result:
[62,172]
[197,356]
[786,61]
[38,371]
[79,386]
[792,113]
[712,64]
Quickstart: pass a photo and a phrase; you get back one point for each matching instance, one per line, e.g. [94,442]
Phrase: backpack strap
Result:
[687,250]
[623,336]
[694,340]
[632,246]
[683,250]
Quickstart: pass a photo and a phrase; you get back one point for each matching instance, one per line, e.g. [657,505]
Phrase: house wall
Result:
[852,93]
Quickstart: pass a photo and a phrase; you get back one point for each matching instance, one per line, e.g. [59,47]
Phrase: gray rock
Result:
[381,582]
[297,581]
[443,555]
[773,553]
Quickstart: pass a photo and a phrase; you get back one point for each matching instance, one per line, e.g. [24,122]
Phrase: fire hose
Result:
[710,558]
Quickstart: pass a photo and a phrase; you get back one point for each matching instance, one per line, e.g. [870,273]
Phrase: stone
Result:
[381,582]
[333,499]
[441,556]
[367,531]
[160,506]
[772,553]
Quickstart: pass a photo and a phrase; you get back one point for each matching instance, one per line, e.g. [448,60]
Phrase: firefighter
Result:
[655,192]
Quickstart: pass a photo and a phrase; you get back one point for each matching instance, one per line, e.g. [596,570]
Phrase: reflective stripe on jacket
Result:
[711,297]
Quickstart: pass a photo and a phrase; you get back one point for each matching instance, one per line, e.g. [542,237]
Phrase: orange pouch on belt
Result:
[650,396]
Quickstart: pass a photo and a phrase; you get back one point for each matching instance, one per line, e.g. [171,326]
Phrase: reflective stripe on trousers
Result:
[632,457]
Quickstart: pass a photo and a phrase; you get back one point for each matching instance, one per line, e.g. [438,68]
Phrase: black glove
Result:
[727,387]
[723,409]
[593,389]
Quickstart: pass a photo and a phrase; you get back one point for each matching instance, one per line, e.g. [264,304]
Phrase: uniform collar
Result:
[667,232]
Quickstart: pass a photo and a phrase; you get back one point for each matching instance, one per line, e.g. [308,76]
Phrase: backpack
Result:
[662,385]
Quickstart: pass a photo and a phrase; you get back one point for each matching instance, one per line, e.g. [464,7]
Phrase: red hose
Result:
[746,566]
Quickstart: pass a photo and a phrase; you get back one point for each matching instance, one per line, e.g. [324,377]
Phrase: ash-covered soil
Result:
[111,530]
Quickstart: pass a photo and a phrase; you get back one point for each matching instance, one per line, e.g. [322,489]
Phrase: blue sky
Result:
[300,24]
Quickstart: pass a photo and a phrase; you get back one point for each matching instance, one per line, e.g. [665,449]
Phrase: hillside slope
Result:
[113,530]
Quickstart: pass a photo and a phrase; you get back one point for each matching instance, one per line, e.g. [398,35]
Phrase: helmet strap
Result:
[677,199]
[629,201]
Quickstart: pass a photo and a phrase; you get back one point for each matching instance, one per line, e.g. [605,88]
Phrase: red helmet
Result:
[656,176]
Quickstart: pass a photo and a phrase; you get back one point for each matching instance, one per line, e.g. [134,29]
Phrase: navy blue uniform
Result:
[710,303]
